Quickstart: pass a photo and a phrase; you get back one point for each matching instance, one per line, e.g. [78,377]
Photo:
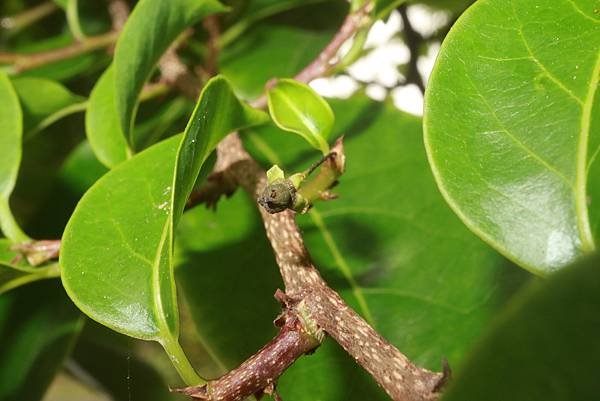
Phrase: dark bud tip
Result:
[278,196]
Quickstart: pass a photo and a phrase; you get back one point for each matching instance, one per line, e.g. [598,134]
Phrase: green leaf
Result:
[11,131]
[115,250]
[44,101]
[296,107]
[543,346]
[151,28]
[390,245]
[102,123]
[508,128]
[38,325]
[117,247]
[218,112]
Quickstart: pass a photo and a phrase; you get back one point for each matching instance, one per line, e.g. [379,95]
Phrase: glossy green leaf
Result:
[543,346]
[11,131]
[218,113]
[508,130]
[38,325]
[116,251]
[44,102]
[102,123]
[151,28]
[390,245]
[297,108]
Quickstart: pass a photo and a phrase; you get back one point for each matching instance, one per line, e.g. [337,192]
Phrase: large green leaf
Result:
[37,327]
[44,101]
[115,247]
[11,131]
[116,253]
[151,28]
[389,245]
[543,346]
[508,126]
[102,122]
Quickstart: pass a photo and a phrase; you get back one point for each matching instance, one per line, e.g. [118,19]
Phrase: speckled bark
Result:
[259,372]
[394,372]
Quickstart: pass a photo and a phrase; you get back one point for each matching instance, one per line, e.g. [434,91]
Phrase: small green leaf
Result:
[102,122]
[116,254]
[509,129]
[217,113]
[543,345]
[275,173]
[295,107]
[151,28]
[44,101]
[11,131]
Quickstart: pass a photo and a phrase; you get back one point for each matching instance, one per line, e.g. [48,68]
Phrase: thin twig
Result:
[119,12]
[24,62]
[28,17]
[326,61]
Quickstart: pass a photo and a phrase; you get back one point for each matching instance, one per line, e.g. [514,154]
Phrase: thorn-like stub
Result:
[278,196]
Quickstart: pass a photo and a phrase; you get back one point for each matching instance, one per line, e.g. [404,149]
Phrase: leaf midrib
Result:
[582,151]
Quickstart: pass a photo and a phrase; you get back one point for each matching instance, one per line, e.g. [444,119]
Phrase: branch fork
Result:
[298,335]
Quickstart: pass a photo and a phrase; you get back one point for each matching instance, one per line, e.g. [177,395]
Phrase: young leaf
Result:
[151,28]
[116,255]
[508,128]
[11,131]
[543,346]
[295,107]
[44,101]
[217,113]
[102,122]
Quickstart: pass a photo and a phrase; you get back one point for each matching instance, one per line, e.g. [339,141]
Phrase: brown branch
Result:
[119,12]
[394,372]
[24,62]
[326,61]
[258,373]
[38,252]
